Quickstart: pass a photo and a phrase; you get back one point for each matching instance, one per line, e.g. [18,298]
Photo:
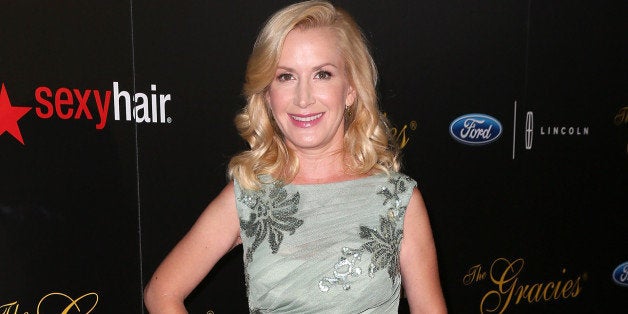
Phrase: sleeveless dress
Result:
[324,248]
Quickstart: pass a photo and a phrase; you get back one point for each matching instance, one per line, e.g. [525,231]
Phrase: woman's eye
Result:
[284,77]
[323,75]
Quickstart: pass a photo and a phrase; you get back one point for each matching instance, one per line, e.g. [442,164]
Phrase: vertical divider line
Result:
[514,131]
[527,53]
[526,62]
[137,168]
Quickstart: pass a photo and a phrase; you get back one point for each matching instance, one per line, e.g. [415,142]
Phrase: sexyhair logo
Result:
[475,129]
[507,286]
[95,105]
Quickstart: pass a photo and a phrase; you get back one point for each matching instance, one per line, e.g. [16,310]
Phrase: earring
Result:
[347,111]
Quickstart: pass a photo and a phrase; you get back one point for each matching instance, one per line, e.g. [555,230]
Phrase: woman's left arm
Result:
[419,265]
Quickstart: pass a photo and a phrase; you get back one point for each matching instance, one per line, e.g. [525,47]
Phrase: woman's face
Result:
[310,91]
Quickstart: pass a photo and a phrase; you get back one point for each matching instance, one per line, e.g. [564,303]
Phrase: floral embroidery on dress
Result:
[399,187]
[343,270]
[272,214]
[383,244]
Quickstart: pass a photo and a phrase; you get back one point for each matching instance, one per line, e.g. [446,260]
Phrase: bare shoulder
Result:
[220,219]
[416,224]
[418,261]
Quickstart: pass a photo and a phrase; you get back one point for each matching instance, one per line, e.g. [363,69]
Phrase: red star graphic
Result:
[9,116]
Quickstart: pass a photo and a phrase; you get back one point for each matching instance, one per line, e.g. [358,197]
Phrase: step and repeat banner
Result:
[116,126]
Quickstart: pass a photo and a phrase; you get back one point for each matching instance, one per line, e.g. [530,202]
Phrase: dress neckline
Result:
[341,182]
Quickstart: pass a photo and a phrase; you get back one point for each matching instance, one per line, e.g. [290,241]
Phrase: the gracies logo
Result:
[507,288]
[57,302]
[86,104]
[400,134]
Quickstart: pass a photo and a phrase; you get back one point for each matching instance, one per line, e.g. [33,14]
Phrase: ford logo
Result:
[620,274]
[475,129]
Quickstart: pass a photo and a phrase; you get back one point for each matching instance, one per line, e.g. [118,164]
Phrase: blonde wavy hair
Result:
[368,145]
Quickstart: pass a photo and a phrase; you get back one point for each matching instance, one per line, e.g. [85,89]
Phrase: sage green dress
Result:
[324,248]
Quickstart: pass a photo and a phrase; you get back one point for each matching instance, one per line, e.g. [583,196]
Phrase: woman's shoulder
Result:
[395,176]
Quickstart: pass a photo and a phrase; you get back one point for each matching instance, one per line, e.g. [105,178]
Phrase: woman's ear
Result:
[351,96]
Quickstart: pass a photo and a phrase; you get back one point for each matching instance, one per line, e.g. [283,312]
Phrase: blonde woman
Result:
[327,223]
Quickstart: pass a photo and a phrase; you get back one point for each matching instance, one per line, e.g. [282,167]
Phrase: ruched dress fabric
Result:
[324,248]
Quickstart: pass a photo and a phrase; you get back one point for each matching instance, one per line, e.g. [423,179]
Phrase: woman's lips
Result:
[306,121]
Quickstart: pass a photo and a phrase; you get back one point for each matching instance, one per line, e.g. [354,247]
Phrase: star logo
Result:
[10,115]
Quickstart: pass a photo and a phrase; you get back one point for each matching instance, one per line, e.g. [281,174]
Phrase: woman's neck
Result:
[322,168]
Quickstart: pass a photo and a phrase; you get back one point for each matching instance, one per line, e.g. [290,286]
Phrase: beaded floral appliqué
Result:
[272,214]
[383,244]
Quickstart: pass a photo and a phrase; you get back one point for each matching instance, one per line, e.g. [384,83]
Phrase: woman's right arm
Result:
[215,233]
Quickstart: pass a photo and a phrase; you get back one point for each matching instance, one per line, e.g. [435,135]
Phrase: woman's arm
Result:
[419,266]
[214,234]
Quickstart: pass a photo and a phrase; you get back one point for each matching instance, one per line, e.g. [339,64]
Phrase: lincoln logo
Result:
[475,129]
[529,129]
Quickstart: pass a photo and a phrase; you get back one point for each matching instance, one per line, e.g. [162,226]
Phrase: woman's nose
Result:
[304,94]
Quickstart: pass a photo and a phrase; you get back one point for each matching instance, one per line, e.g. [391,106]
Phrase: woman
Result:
[327,223]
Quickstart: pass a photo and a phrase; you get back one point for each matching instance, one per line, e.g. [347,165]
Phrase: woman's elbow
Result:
[150,298]
[157,300]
